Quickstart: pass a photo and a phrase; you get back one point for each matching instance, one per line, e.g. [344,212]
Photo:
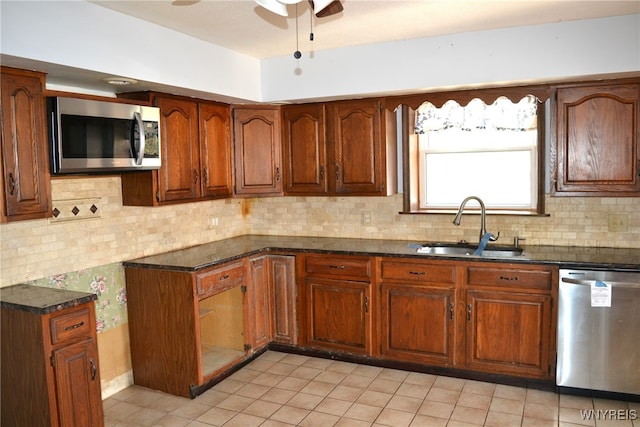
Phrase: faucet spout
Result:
[483,217]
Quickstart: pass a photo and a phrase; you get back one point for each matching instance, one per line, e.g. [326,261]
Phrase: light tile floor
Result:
[279,389]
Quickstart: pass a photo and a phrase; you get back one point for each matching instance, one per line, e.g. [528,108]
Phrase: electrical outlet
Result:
[214,222]
[367,217]
[618,222]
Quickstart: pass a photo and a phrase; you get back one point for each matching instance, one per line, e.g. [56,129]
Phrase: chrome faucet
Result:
[483,216]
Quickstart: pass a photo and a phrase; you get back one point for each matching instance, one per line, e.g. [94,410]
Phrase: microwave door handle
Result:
[140,151]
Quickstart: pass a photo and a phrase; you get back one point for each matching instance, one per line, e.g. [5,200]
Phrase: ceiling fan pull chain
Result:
[297,54]
[311,24]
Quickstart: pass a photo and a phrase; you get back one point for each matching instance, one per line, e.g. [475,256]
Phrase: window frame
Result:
[410,149]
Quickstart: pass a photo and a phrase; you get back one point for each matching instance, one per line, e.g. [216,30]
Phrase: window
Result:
[490,151]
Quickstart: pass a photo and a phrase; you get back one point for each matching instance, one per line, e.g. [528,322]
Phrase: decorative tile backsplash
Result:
[38,249]
[76,209]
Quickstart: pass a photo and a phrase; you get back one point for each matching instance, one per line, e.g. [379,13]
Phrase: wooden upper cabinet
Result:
[363,134]
[180,172]
[357,136]
[257,152]
[597,130]
[344,147]
[196,154]
[24,156]
[215,149]
[305,151]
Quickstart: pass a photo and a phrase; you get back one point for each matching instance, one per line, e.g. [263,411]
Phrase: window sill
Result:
[476,212]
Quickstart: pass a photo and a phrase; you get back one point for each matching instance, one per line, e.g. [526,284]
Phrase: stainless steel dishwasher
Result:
[599,331]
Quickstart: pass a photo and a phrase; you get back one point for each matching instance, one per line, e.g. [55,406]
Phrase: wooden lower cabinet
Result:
[481,317]
[274,302]
[50,372]
[510,319]
[508,332]
[417,323]
[282,286]
[417,311]
[338,315]
[338,306]
[187,327]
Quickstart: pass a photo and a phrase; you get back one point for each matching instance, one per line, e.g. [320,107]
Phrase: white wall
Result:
[86,36]
[533,53]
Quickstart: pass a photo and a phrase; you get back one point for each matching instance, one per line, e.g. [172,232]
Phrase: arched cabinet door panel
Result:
[596,140]
[26,192]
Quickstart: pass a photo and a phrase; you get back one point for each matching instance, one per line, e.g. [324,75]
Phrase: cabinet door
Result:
[25,162]
[180,172]
[303,141]
[357,136]
[283,290]
[597,140]
[78,385]
[258,314]
[338,315]
[256,143]
[215,149]
[417,323]
[509,333]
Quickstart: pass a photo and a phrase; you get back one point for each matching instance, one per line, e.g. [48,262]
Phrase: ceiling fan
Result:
[321,8]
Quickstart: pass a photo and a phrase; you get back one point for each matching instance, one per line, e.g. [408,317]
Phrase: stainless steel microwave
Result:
[88,136]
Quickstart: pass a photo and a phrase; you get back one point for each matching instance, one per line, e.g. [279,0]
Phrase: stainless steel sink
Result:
[466,249]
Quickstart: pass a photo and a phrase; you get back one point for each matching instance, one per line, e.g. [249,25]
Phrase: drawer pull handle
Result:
[418,273]
[76,326]
[225,277]
[337,267]
[509,279]
[12,184]
[94,369]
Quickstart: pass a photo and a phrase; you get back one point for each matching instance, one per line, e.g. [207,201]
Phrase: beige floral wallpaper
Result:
[106,281]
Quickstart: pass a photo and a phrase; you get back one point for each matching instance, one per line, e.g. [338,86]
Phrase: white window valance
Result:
[501,115]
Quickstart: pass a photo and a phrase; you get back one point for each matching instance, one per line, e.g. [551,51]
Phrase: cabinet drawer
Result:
[509,277]
[220,279]
[70,326]
[353,267]
[418,272]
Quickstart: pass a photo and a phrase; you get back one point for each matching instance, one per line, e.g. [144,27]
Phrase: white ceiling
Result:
[245,27]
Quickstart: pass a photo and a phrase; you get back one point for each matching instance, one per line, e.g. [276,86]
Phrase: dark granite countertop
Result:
[41,300]
[211,254]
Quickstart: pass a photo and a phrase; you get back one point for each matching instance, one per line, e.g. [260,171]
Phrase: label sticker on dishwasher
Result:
[600,294]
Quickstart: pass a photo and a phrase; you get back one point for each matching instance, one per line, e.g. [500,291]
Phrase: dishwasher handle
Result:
[590,282]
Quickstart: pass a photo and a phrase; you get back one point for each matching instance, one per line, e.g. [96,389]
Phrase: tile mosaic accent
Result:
[106,281]
[76,209]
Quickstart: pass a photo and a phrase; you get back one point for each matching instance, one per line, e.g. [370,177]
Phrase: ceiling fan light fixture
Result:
[290,1]
[274,6]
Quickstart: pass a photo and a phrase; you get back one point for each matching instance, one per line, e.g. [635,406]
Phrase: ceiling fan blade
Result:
[184,2]
[331,9]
